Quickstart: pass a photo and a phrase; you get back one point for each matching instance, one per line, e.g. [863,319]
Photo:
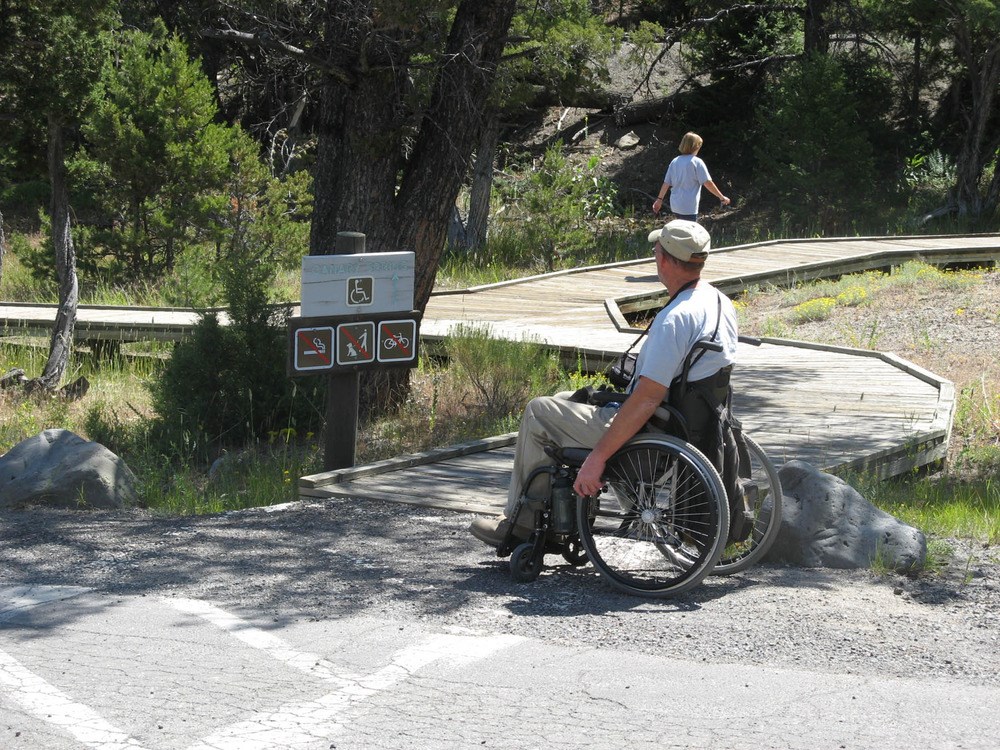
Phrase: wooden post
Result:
[343,391]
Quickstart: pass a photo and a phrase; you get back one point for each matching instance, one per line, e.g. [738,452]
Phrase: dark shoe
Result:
[491,531]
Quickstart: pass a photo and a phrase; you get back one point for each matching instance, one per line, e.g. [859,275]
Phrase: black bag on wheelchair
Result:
[620,374]
[705,409]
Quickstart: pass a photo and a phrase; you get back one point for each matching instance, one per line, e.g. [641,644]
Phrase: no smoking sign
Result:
[314,348]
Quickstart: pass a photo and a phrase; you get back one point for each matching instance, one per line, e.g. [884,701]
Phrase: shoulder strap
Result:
[715,333]
[669,302]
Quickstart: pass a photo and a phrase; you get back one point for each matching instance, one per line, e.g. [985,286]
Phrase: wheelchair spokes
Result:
[658,529]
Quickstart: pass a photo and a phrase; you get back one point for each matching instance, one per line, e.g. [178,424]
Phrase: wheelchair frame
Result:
[660,525]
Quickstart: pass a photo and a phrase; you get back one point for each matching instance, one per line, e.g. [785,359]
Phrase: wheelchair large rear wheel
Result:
[660,526]
[764,503]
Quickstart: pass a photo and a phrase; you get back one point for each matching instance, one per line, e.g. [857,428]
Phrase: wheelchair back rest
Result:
[668,420]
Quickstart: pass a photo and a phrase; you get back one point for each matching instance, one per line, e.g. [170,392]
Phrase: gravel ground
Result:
[343,558]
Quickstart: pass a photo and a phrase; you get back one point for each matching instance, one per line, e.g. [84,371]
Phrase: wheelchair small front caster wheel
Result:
[574,553]
[524,566]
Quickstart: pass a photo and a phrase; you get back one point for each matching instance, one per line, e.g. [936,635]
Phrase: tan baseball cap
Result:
[685,240]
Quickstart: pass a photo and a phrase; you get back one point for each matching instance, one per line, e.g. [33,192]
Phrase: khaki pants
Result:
[554,421]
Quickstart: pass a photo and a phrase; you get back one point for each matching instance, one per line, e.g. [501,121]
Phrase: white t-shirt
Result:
[685,175]
[691,317]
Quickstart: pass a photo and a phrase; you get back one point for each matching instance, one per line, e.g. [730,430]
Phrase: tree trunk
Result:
[482,184]
[817,35]
[982,69]
[449,132]
[917,84]
[458,236]
[992,201]
[362,144]
[62,240]
[360,141]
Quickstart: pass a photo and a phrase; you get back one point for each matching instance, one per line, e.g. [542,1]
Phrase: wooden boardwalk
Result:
[833,407]
[836,408]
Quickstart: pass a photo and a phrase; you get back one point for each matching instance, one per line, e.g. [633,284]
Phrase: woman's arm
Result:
[716,192]
[658,203]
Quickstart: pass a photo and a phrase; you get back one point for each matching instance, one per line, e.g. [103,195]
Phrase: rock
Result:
[628,141]
[60,468]
[12,378]
[827,524]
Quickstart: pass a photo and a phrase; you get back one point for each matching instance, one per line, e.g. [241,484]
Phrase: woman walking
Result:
[684,178]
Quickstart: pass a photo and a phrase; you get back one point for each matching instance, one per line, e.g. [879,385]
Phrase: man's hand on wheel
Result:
[588,479]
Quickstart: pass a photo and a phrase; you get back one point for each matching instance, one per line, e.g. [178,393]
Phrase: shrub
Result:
[505,374]
[227,385]
[156,156]
[814,309]
[813,153]
[852,296]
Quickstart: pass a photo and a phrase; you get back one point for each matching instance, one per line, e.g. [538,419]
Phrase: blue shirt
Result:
[685,175]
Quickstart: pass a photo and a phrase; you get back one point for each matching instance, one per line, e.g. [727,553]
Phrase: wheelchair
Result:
[661,523]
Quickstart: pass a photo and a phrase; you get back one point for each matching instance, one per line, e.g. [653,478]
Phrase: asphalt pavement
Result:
[350,625]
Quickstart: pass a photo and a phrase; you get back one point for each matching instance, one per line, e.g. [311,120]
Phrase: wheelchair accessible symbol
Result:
[360,291]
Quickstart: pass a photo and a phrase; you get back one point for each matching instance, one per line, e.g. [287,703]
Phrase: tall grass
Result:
[18,284]
[508,254]
[941,506]
[963,501]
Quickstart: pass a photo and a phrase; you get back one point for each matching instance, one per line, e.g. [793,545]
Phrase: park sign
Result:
[361,283]
[356,313]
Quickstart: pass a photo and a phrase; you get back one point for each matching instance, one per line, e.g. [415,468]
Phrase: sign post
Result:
[343,392]
[356,314]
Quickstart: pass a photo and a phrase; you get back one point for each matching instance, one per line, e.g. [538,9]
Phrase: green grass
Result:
[940,506]
[481,397]
[253,478]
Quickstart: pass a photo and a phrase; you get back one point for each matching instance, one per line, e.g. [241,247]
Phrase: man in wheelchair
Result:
[695,312]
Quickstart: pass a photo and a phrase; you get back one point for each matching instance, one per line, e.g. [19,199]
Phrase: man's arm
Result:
[631,418]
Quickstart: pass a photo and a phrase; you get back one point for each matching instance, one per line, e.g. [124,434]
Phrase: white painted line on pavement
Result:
[304,723]
[51,705]
[254,636]
[16,599]
[295,724]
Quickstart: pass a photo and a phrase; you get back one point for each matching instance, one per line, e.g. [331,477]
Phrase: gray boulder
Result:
[628,141]
[827,524]
[60,468]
